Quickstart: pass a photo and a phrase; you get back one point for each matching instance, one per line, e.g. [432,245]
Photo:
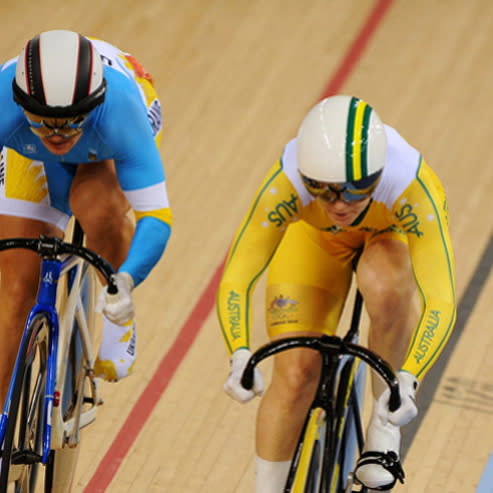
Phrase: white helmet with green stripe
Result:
[342,139]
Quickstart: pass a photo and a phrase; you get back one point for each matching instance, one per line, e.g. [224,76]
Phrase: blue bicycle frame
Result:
[46,305]
[52,267]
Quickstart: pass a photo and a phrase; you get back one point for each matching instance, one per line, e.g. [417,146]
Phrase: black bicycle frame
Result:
[333,378]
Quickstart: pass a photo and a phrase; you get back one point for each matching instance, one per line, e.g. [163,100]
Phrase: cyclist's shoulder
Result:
[289,152]
[7,68]
[118,69]
[11,115]
[123,106]
[123,98]
[402,170]
[401,163]
[288,167]
[404,162]
[398,147]
[287,160]
[7,75]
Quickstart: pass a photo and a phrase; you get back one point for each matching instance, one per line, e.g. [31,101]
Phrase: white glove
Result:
[408,410]
[233,387]
[118,308]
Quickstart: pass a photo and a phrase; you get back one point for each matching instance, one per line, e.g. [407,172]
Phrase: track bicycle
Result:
[53,391]
[332,436]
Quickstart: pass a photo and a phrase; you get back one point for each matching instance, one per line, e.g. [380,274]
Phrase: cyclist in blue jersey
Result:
[80,129]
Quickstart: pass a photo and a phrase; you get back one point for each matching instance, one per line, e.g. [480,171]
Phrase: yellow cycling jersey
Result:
[409,199]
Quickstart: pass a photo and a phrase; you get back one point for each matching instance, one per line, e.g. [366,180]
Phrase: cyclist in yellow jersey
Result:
[346,186]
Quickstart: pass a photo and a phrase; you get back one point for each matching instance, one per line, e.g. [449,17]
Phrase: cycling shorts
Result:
[310,275]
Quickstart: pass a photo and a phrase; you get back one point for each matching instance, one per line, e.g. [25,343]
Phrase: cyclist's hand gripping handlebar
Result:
[233,385]
[392,397]
[402,412]
[115,300]
[112,288]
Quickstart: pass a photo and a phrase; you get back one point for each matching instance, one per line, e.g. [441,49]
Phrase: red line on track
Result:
[357,47]
[145,404]
[154,389]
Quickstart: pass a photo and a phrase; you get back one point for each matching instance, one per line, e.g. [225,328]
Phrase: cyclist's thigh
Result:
[34,190]
[96,187]
[306,285]
[385,267]
[28,208]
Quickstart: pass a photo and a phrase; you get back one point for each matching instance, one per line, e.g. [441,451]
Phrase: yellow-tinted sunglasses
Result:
[347,192]
[63,127]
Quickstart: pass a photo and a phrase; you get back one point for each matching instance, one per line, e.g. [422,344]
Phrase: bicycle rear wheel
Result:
[23,442]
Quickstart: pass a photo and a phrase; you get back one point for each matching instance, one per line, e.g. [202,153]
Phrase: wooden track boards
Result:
[235,79]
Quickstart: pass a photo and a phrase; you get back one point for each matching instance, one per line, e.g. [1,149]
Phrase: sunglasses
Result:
[330,192]
[63,127]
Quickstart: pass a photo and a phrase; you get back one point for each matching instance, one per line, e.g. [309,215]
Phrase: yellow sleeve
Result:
[253,246]
[423,213]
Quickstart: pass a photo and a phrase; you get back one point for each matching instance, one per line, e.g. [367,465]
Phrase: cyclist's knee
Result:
[388,296]
[19,275]
[20,268]
[297,378]
[19,291]
[392,308]
[97,200]
[105,219]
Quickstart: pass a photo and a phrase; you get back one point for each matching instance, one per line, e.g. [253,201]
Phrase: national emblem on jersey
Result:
[283,309]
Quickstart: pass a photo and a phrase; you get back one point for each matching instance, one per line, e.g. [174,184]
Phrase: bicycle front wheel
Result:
[308,462]
[349,402]
[23,443]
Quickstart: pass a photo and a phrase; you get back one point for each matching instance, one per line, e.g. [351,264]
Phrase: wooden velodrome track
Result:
[235,79]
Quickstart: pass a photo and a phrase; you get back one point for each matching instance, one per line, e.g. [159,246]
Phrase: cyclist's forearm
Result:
[234,315]
[430,337]
[148,244]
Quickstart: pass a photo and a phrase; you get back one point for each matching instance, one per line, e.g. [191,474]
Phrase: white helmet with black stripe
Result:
[341,140]
[59,74]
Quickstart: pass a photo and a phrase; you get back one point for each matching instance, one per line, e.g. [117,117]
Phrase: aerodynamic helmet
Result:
[341,140]
[59,74]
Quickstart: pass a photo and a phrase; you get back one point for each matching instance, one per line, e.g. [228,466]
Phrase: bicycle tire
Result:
[307,464]
[351,439]
[23,442]
[314,469]
[329,443]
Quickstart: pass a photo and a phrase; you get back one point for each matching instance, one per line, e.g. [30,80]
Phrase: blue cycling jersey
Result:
[118,129]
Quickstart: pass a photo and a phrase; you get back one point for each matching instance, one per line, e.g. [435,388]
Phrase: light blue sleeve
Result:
[149,242]
[138,165]
[126,129]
